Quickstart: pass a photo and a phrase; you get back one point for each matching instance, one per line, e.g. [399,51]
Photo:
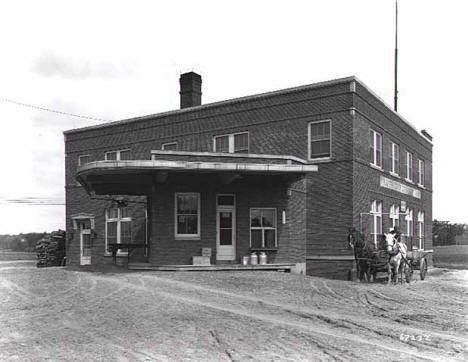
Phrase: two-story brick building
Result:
[286,172]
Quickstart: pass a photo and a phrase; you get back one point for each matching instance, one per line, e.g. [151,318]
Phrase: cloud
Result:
[52,65]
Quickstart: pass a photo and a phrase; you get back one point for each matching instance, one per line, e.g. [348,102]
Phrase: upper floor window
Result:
[83,160]
[395,159]
[376,219]
[263,228]
[409,166]
[232,143]
[319,139]
[118,226]
[120,155]
[395,216]
[375,148]
[171,146]
[421,172]
[187,215]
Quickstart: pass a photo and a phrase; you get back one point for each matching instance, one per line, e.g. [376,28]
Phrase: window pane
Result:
[181,224]
[225,237]
[255,218]
[124,212]
[187,204]
[111,232]
[320,130]
[241,143]
[379,225]
[225,200]
[111,155]
[270,238]
[268,218]
[125,232]
[85,224]
[125,155]
[192,225]
[83,160]
[378,141]
[256,238]
[222,144]
[320,148]
[187,224]
[86,245]
[378,158]
[225,220]
[170,146]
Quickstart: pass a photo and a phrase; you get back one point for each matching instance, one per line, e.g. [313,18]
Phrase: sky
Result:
[113,60]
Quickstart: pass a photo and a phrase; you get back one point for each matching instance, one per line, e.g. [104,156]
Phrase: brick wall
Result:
[321,207]
[370,113]
[250,192]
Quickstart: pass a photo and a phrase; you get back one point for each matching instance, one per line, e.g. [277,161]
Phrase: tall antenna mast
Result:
[396,57]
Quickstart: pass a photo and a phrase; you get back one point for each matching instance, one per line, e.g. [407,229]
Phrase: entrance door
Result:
[85,242]
[225,228]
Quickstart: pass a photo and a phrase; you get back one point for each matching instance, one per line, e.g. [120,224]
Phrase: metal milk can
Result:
[253,259]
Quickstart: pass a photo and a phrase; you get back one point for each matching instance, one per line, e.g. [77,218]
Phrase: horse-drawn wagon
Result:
[416,259]
[390,256]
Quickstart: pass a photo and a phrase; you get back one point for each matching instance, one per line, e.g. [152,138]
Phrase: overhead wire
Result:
[37,201]
[32,106]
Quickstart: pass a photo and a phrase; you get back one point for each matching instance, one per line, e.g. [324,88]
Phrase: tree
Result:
[444,233]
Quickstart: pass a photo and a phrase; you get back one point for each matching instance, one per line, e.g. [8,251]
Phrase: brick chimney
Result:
[190,90]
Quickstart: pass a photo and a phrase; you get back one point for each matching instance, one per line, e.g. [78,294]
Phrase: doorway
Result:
[225,227]
[84,227]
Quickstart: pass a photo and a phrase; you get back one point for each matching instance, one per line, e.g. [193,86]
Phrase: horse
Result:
[397,251]
[363,254]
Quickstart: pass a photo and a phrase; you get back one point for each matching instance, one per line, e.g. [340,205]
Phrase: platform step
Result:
[273,267]
[226,262]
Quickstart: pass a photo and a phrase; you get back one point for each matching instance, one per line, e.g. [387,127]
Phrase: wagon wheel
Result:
[423,268]
[408,271]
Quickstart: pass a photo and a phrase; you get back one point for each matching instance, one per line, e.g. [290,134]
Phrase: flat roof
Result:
[216,104]
[249,98]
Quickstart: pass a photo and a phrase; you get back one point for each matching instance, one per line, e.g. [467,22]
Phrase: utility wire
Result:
[34,201]
[6,100]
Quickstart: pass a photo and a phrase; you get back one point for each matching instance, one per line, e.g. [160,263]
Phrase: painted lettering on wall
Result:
[399,187]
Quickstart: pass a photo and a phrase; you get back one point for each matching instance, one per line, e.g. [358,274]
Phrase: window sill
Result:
[410,181]
[377,167]
[394,174]
[422,186]
[320,159]
[119,253]
[264,249]
[187,237]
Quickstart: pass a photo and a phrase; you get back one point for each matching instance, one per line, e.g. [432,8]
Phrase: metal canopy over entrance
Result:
[136,177]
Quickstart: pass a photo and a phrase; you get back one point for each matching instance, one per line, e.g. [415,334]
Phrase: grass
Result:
[16,255]
[451,256]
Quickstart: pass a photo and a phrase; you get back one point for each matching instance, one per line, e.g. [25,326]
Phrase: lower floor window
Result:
[421,229]
[187,214]
[376,218]
[118,226]
[263,228]
[409,225]
[395,216]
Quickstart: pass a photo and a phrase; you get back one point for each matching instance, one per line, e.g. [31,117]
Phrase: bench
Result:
[114,247]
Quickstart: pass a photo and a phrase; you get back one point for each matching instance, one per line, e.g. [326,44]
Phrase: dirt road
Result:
[63,314]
